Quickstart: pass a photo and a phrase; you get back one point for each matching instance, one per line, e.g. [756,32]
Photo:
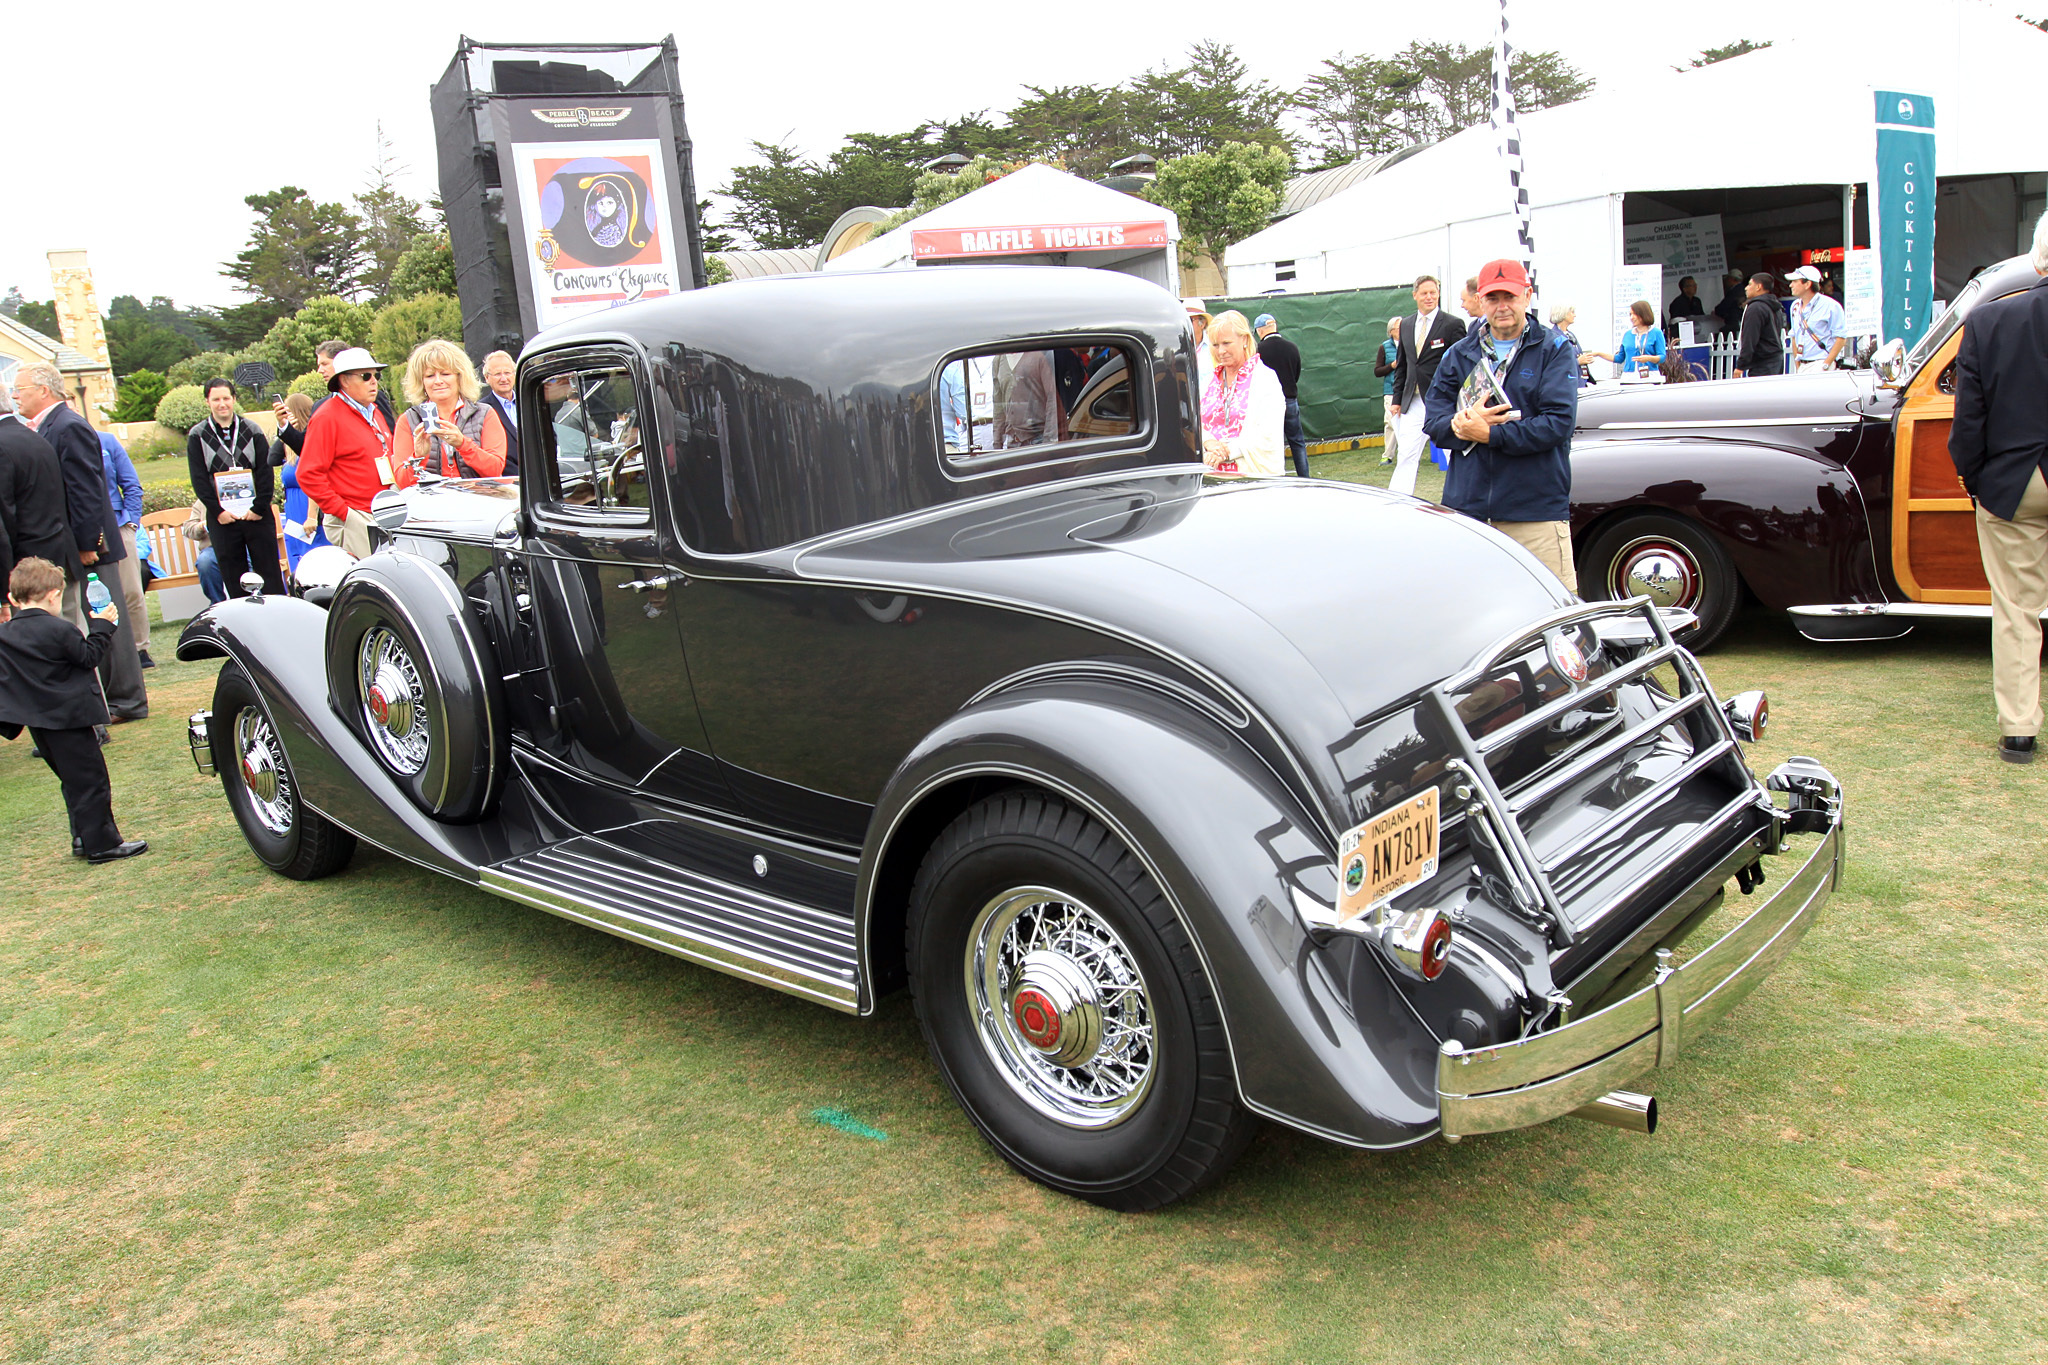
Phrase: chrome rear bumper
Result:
[1514,1085]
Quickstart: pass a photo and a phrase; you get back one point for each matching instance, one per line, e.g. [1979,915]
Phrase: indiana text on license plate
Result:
[1394,849]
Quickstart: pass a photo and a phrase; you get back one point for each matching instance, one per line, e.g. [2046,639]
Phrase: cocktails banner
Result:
[1902,212]
[591,205]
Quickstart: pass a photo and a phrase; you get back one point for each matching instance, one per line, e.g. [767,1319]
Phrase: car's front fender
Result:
[1794,523]
[1318,1038]
[281,643]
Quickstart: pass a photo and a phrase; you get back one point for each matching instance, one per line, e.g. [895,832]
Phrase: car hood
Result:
[1317,603]
[1822,396]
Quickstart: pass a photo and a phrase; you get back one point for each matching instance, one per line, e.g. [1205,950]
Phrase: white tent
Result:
[1797,113]
[1036,216]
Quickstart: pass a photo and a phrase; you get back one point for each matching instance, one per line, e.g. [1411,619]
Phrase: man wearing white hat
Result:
[1816,322]
[347,457]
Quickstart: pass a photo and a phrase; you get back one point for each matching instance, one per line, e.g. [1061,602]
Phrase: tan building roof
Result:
[26,344]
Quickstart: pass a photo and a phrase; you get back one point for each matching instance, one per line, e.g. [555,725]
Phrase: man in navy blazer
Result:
[31,498]
[499,371]
[95,527]
[1999,444]
[1425,335]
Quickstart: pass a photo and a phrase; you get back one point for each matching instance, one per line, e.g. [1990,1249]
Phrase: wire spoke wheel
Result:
[1061,1006]
[265,775]
[394,701]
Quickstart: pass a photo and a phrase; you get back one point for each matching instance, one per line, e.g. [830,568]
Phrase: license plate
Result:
[1395,849]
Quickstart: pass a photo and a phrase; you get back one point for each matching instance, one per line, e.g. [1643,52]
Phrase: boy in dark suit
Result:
[49,683]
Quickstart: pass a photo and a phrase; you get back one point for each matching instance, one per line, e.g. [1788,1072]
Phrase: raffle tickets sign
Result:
[594,213]
[1034,240]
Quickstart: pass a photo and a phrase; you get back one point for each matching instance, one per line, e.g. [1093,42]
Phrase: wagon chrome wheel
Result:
[1061,1006]
[265,776]
[394,701]
[1658,568]
[1670,560]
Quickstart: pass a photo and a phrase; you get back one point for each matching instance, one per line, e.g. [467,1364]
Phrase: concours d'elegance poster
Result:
[593,224]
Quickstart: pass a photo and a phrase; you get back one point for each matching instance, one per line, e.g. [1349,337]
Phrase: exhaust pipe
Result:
[1621,1109]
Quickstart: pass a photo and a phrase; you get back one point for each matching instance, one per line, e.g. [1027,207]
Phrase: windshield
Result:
[1944,326]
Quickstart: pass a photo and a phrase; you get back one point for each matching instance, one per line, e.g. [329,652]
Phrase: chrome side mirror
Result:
[1889,360]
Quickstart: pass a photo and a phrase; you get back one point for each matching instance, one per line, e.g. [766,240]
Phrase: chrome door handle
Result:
[645,584]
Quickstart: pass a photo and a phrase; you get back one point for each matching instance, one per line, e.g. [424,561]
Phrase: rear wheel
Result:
[1066,1008]
[1672,562]
[257,776]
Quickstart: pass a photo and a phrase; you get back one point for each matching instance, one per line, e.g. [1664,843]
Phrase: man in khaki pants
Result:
[1999,443]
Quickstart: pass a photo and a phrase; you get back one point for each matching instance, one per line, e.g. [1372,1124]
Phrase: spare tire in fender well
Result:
[428,702]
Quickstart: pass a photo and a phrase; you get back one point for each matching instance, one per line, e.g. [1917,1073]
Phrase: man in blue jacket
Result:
[1511,462]
[124,495]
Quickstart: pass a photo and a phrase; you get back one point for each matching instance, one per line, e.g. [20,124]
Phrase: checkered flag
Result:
[1503,119]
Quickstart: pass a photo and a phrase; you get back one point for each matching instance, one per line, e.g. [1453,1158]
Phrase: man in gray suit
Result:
[95,528]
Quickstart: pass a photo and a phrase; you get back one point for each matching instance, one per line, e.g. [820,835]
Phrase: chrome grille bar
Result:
[1578,696]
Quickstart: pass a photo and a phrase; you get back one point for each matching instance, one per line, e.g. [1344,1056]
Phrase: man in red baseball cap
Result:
[1504,403]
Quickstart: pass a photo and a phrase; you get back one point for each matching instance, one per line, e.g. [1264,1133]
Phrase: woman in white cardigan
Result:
[1243,409]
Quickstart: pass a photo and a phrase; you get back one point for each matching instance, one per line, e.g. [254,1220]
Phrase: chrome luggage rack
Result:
[1494,815]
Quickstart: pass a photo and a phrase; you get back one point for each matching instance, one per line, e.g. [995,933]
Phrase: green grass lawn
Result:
[389,1118]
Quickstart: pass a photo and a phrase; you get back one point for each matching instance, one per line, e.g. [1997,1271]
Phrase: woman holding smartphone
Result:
[448,430]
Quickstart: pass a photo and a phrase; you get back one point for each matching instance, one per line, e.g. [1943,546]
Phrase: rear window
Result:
[1007,407]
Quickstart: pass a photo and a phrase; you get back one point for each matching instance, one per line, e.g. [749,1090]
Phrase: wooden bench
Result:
[173,556]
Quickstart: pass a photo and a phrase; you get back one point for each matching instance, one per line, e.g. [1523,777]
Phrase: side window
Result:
[1013,400]
[594,435]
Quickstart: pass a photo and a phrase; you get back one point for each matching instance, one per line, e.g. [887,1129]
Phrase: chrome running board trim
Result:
[733,929]
[1953,611]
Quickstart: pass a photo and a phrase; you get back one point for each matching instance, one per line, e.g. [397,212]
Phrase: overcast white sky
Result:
[187,111]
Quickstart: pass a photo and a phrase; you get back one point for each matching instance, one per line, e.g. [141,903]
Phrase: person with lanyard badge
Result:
[1817,321]
[229,463]
[347,459]
[1642,346]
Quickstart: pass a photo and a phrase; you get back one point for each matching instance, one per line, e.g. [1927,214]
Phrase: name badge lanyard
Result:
[232,444]
[383,443]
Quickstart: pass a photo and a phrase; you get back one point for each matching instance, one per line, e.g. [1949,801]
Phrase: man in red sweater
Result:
[347,456]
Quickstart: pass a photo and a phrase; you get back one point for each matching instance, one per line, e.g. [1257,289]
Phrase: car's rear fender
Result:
[1793,522]
[1318,1039]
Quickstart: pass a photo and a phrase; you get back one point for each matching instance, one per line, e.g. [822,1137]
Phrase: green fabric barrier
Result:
[1339,333]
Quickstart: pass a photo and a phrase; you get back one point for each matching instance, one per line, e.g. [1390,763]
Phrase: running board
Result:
[1833,621]
[733,929]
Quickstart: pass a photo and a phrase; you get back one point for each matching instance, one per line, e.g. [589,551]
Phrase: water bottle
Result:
[97,598]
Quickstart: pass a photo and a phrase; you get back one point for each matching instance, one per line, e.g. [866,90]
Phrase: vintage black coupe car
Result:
[849,632]
[1829,495]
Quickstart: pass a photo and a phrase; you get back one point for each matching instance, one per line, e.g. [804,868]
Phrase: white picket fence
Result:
[1721,350]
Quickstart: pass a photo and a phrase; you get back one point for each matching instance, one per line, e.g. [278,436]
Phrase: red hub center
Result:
[1037,1020]
[248,773]
[380,709]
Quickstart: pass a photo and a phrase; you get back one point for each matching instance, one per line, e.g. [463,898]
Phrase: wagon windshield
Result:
[1944,325]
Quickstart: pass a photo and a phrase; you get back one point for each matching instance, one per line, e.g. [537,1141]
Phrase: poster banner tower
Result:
[565,173]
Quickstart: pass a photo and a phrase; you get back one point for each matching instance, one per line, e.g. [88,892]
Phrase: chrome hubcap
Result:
[393,701]
[1061,1007]
[1657,569]
[263,771]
